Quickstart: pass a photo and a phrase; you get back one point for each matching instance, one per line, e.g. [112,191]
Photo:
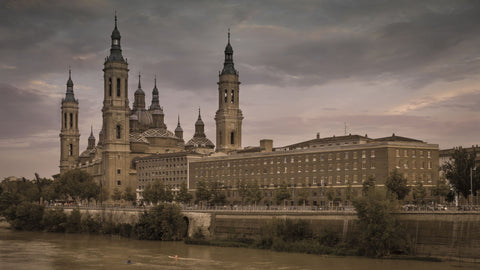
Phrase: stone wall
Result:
[447,235]
[439,234]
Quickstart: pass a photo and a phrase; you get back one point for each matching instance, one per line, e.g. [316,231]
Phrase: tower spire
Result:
[179,130]
[139,77]
[155,99]
[228,66]
[116,50]
[69,95]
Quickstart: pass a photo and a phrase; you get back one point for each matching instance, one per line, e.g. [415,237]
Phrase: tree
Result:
[441,189]
[117,194]
[458,171]
[254,194]
[218,194]
[396,184]
[282,193]
[162,222]
[368,185]
[242,190]
[302,196]
[419,193]
[330,193]
[183,195]
[202,192]
[76,184]
[154,192]
[380,233]
[129,194]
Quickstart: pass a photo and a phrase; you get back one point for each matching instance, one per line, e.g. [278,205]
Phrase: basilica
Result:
[132,133]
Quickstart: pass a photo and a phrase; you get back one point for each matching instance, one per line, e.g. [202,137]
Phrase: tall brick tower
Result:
[229,116]
[69,134]
[116,113]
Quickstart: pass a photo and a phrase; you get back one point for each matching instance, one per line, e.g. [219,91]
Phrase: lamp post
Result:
[471,181]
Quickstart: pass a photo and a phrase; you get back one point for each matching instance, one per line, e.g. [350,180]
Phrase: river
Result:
[42,251]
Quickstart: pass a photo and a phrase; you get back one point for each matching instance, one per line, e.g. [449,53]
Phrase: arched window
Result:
[233,97]
[110,87]
[119,132]
[65,120]
[70,150]
[232,138]
[71,120]
[226,94]
[118,87]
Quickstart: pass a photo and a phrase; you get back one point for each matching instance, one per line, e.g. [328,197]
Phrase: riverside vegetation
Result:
[379,232]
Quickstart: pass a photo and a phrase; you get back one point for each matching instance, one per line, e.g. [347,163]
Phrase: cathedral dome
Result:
[144,117]
[196,142]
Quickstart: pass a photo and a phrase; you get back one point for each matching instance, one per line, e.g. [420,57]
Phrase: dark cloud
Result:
[286,46]
[25,112]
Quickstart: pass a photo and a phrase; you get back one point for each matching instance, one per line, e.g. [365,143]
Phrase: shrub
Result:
[54,220]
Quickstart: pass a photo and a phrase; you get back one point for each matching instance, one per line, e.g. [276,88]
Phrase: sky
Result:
[331,67]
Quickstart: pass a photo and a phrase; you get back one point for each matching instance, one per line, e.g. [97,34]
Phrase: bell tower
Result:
[69,134]
[228,117]
[116,116]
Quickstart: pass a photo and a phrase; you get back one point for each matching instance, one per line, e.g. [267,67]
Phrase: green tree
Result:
[441,189]
[396,184]
[117,194]
[78,185]
[419,193]
[242,190]
[458,171]
[282,194]
[154,192]
[302,196]
[368,185]
[129,194]
[218,194]
[162,222]
[380,233]
[168,195]
[183,195]
[54,220]
[28,216]
[254,194]
[202,192]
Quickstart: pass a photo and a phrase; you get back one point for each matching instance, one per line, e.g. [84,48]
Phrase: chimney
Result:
[266,145]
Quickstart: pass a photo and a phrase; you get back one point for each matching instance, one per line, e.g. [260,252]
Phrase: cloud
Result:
[24,112]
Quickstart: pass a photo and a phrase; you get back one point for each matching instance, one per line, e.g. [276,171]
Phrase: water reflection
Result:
[41,251]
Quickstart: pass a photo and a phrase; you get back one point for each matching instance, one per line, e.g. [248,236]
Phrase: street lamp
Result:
[471,181]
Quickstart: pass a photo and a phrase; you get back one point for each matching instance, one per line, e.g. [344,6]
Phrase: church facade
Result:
[129,134]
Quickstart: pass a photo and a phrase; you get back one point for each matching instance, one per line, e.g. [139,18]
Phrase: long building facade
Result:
[312,167]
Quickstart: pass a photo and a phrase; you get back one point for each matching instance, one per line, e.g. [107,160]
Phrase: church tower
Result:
[69,134]
[116,114]
[229,116]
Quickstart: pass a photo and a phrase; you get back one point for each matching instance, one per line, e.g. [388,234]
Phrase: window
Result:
[372,153]
[119,132]
[119,171]
[364,155]
[70,150]
[65,120]
[119,183]
[226,95]
[71,120]
[110,87]
[429,154]
[118,87]
[354,155]
[233,97]
[232,138]
[397,153]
